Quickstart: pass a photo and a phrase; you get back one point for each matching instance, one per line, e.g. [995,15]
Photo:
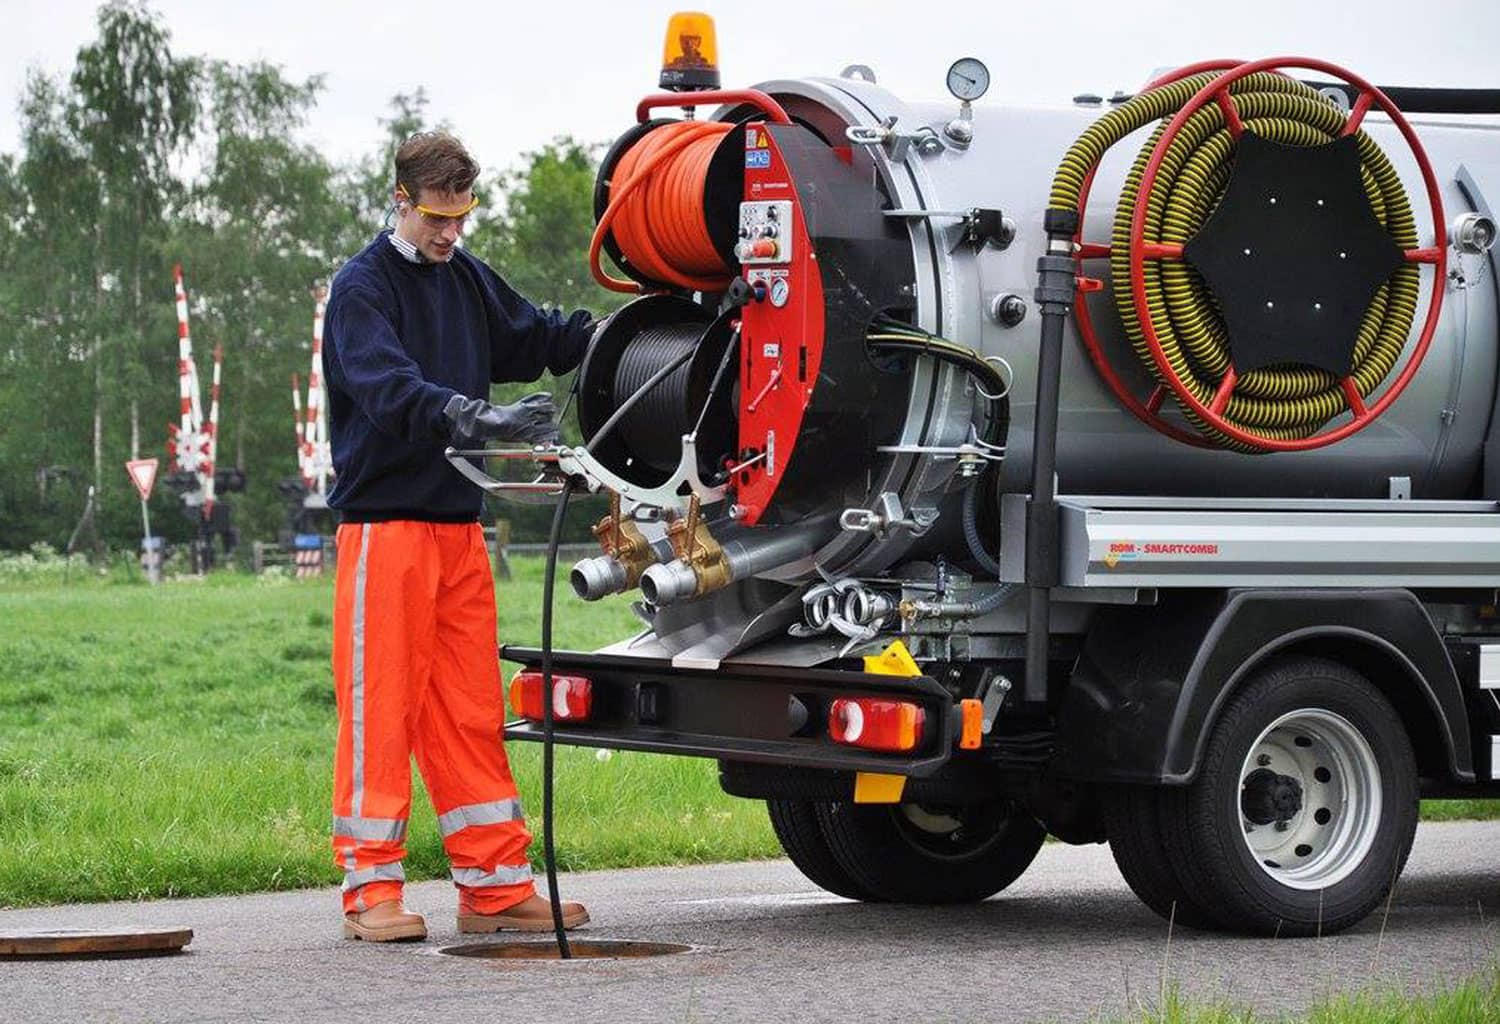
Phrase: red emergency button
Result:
[759,249]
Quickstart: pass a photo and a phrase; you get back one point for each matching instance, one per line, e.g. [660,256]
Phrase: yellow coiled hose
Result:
[1278,402]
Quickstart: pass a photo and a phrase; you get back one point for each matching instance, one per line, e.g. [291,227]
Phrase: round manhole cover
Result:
[92,943]
[582,949]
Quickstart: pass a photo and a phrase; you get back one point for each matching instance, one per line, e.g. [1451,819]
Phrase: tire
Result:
[796,825]
[1305,806]
[910,853]
[1135,840]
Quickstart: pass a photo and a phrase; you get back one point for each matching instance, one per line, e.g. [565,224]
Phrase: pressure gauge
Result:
[968,79]
[780,292]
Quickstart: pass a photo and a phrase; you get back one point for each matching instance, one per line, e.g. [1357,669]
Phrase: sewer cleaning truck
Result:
[1125,472]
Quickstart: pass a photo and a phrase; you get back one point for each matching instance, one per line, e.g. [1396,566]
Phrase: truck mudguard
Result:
[1151,680]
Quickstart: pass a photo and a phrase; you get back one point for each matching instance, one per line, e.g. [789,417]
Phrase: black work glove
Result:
[531,420]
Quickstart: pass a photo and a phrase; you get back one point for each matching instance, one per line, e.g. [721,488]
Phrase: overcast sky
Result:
[509,76]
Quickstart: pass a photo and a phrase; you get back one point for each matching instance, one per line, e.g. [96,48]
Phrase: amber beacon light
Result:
[690,55]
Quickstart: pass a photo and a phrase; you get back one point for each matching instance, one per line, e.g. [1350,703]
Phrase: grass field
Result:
[177,741]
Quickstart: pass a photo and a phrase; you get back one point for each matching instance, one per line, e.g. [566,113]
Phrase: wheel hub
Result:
[1313,778]
[1267,796]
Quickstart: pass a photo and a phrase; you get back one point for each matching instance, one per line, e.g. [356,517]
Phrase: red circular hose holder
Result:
[1211,413]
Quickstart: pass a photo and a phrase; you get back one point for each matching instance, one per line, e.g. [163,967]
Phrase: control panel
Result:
[781,326]
[765,232]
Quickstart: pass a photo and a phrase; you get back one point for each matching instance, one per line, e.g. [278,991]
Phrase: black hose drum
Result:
[646,335]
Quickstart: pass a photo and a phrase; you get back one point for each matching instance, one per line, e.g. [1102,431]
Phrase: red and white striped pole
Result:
[211,441]
[182,444]
[298,427]
[317,416]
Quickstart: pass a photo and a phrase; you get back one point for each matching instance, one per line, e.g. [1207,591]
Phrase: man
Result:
[417,329]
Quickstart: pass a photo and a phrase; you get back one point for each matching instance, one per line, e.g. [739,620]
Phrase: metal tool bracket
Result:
[896,143]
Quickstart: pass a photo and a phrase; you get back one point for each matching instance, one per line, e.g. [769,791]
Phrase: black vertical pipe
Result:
[1054,296]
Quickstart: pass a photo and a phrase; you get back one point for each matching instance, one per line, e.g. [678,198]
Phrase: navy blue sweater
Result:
[402,338]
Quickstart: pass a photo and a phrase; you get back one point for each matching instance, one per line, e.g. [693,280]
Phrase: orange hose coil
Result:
[655,210]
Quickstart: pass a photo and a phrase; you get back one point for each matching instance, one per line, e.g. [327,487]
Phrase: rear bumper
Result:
[737,712]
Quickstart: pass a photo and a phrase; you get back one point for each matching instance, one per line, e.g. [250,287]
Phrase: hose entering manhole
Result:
[579,949]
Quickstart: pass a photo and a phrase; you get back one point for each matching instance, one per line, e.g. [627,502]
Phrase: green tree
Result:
[53,319]
[262,230]
[138,158]
[132,107]
[538,237]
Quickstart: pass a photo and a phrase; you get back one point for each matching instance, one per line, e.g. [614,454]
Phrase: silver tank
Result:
[1433,435]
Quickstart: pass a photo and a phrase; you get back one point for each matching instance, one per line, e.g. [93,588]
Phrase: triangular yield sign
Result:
[143,475]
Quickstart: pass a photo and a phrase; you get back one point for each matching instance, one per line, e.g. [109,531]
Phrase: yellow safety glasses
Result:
[439,218]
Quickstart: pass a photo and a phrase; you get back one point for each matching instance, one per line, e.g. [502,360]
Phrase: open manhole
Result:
[92,943]
[582,949]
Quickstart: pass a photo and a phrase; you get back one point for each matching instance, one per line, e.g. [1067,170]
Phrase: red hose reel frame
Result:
[781,346]
[1217,91]
[621,191]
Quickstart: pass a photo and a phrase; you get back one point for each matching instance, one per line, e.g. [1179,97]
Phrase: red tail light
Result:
[572,696]
[876,724]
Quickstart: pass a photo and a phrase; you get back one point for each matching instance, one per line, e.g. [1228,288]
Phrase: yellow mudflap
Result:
[875,788]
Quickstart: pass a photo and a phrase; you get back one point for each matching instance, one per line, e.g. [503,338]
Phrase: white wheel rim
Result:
[1330,835]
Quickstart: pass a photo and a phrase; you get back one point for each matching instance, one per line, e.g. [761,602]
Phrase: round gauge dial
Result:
[968,79]
[780,292]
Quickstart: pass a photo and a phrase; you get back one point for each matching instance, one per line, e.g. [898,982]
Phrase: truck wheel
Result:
[910,853]
[1305,805]
[1135,839]
[796,825]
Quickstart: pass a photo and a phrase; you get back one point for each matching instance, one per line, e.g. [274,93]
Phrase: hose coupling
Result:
[600,576]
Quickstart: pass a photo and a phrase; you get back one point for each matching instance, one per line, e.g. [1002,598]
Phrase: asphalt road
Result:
[1068,942]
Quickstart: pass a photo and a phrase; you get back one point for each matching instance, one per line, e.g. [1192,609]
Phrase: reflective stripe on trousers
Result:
[492,813]
[387,830]
[480,878]
[379,873]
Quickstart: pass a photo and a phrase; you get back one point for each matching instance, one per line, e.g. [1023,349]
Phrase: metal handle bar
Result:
[754,97]
[486,482]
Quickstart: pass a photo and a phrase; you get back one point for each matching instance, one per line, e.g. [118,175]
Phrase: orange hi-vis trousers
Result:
[415,671]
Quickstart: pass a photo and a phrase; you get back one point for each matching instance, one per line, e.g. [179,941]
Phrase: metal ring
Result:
[1009,376]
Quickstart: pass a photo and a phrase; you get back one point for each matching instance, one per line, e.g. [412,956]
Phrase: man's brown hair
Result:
[434,160]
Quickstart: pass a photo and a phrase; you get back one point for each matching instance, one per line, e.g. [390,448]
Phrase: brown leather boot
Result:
[385,922]
[533,914]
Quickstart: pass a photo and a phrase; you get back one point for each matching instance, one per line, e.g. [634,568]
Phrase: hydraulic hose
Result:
[564,951]
[554,540]
[901,337]
[656,214]
[993,385]
[973,495]
[661,374]
[967,609]
[1277,402]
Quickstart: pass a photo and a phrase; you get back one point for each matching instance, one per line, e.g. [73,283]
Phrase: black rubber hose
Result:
[972,498]
[563,949]
[640,392]
[964,358]
[554,540]
[653,431]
